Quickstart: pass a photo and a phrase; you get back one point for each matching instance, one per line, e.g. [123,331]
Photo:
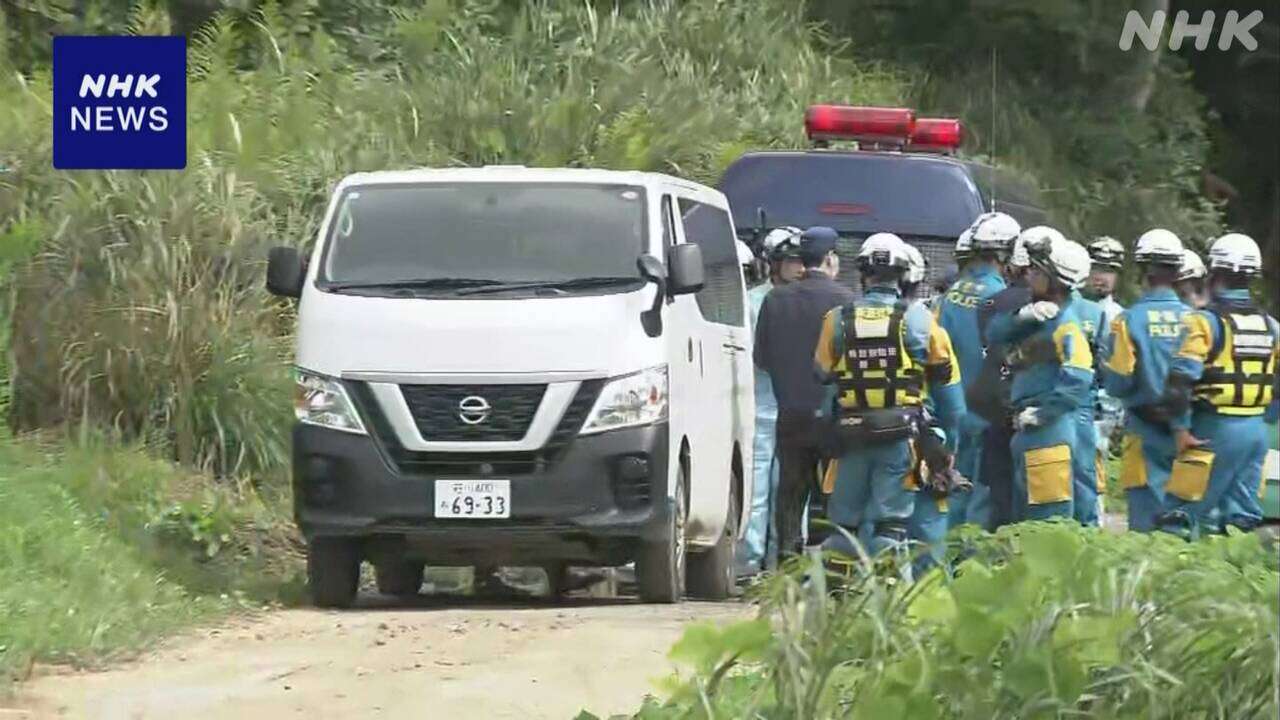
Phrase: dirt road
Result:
[434,659]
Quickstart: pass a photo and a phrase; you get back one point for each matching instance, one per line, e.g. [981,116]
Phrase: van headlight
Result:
[636,399]
[320,400]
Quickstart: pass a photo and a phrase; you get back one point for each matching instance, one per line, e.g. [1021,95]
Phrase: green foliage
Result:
[90,564]
[1043,620]
[143,309]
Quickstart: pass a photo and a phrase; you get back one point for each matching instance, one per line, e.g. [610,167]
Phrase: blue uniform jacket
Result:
[958,315]
[1143,341]
[1093,321]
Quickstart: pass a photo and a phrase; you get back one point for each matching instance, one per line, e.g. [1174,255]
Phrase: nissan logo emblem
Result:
[473,410]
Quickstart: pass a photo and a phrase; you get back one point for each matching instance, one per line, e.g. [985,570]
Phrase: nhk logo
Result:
[119,102]
[101,117]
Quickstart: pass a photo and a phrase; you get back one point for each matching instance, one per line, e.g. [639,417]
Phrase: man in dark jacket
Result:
[786,335]
[994,404]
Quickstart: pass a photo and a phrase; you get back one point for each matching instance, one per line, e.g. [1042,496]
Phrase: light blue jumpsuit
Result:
[760,533]
[1084,456]
[871,495]
[1054,375]
[1143,340]
[958,314]
[1238,442]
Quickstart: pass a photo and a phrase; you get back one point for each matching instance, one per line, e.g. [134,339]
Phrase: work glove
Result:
[1028,418]
[1038,311]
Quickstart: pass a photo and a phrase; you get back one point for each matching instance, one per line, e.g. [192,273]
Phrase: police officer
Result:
[786,333]
[759,545]
[1144,339]
[1227,364]
[988,241]
[1191,277]
[884,356]
[1107,256]
[1052,377]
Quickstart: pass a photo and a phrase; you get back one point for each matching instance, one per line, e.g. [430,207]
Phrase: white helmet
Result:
[745,256]
[782,242]
[1158,247]
[1107,252]
[1066,261]
[964,245]
[1036,239]
[917,266]
[883,250]
[1236,253]
[1192,267]
[994,231]
[1018,257]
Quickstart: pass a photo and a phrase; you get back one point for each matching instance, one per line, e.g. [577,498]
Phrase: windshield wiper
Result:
[582,282]
[424,283]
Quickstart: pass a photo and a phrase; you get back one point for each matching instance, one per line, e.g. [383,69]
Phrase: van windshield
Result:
[450,236]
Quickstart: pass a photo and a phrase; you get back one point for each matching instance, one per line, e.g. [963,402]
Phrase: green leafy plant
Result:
[1041,620]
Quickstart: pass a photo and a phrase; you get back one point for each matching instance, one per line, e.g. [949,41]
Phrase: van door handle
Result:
[734,348]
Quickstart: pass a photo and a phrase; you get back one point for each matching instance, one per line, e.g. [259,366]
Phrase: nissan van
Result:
[515,366]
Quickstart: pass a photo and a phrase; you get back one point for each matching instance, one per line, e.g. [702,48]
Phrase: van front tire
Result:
[660,566]
[333,571]
[711,572]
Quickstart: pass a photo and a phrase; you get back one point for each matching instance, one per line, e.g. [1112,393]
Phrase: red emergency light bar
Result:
[874,125]
[936,135]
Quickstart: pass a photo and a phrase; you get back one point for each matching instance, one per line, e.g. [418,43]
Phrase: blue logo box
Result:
[119,103]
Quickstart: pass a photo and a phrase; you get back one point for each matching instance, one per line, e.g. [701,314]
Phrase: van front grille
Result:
[473,413]
[479,464]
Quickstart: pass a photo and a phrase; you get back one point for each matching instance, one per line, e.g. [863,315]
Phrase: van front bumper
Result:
[592,504]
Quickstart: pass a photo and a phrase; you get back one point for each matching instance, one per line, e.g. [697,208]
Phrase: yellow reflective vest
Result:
[1239,377]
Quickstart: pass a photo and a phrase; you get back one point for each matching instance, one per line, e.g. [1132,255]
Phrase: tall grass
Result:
[142,308]
[1044,621]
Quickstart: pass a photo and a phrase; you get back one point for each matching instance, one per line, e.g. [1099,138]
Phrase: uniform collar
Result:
[1160,293]
[1232,295]
[982,271]
[884,291]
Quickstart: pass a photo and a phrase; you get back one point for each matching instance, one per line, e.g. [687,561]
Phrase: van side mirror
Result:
[285,272]
[652,270]
[685,273]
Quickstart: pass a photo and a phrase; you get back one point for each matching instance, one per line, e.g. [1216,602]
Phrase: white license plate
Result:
[481,499]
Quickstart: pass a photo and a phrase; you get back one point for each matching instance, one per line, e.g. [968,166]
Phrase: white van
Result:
[517,366]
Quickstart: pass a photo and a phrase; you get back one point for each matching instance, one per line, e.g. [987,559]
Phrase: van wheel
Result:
[711,572]
[333,571]
[660,565]
[401,578]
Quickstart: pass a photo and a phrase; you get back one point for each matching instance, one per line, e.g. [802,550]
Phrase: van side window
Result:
[720,300]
